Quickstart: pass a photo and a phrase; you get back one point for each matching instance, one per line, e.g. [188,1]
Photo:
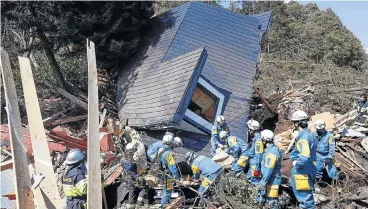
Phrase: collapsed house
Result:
[198,62]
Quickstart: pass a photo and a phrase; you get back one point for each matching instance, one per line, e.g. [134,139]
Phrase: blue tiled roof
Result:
[232,43]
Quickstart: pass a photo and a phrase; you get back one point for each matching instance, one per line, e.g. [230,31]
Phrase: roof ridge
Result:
[186,12]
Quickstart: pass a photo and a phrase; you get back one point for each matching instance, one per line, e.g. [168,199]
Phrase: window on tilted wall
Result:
[203,103]
[206,103]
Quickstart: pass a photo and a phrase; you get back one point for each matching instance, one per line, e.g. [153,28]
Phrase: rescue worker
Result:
[216,129]
[303,155]
[202,165]
[152,149]
[325,150]
[74,180]
[239,149]
[362,104]
[268,186]
[166,161]
[362,107]
[135,183]
[256,152]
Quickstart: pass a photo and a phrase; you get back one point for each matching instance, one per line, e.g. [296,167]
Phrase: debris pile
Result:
[351,136]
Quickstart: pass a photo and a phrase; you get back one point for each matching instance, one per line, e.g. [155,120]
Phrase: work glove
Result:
[255,173]
[328,160]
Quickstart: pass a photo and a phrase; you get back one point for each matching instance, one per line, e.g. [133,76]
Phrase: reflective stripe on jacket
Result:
[325,145]
[74,182]
[168,162]
[256,151]
[304,151]
[205,166]
[271,163]
[238,147]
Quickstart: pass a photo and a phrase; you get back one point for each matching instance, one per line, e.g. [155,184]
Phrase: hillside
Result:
[306,45]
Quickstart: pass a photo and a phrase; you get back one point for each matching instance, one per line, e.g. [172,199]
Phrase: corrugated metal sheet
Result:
[7,186]
[265,19]
[233,46]
[156,96]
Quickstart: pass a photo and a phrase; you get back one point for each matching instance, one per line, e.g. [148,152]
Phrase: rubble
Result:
[351,157]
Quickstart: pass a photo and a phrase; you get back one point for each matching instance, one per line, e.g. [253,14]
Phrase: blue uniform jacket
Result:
[168,162]
[256,151]
[238,147]
[75,182]
[205,166]
[325,145]
[130,168]
[304,151]
[152,149]
[271,164]
[216,129]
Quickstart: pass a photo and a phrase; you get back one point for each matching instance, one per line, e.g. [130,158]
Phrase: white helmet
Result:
[168,139]
[320,124]
[220,119]
[253,125]
[223,134]
[74,156]
[267,135]
[130,149]
[299,115]
[130,146]
[178,142]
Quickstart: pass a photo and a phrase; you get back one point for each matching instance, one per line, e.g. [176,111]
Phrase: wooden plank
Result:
[24,198]
[66,120]
[38,137]
[72,98]
[94,198]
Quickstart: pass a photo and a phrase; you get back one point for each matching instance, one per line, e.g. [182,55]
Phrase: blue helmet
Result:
[74,156]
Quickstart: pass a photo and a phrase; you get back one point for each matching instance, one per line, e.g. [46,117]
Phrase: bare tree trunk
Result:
[48,50]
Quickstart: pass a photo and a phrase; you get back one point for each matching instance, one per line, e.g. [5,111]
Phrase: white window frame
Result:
[198,119]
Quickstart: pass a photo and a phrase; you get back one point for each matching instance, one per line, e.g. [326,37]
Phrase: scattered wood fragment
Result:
[72,98]
[347,156]
[56,116]
[176,203]
[66,120]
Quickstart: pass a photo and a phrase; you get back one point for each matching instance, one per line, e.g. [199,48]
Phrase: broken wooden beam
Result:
[38,137]
[6,165]
[352,160]
[56,116]
[176,203]
[94,198]
[72,98]
[264,100]
[66,120]
[24,197]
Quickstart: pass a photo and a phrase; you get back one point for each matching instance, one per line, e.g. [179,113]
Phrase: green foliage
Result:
[305,33]
[53,35]
[115,27]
